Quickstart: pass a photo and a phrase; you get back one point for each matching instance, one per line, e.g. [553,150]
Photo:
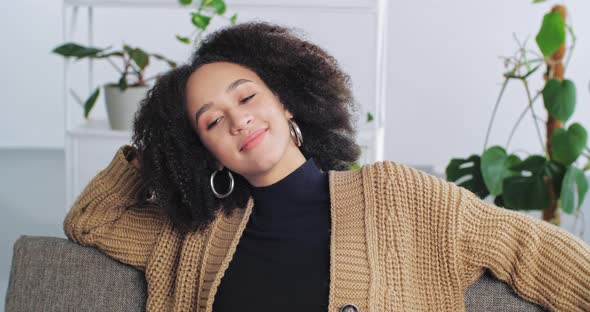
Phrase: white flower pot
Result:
[122,105]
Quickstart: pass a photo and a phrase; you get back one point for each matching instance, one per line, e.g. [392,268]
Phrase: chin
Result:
[263,159]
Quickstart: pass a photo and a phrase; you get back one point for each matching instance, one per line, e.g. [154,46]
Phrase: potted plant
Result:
[121,97]
[554,180]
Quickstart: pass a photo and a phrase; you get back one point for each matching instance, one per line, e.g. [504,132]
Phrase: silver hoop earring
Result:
[295,132]
[231,184]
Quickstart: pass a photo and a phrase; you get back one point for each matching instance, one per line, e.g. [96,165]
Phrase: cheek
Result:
[209,145]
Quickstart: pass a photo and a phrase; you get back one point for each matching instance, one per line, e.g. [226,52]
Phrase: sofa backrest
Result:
[51,273]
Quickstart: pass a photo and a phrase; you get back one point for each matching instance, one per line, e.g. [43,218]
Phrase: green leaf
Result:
[534,164]
[233,19]
[170,62]
[217,5]
[526,191]
[200,20]
[559,98]
[89,104]
[538,1]
[75,50]
[354,166]
[185,2]
[469,171]
[140,57]
[574,183]
[569,144]
[495,166]
[114,53]
[183,39]
[369,117]
[555,171]
[552,33]
[128,49]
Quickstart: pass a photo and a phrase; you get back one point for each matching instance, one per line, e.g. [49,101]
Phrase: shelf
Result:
[235,3]
[122,3]
[98,128]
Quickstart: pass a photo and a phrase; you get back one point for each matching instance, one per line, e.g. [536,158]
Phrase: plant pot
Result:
[122,105]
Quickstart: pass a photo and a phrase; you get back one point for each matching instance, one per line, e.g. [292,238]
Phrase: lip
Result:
[254,135]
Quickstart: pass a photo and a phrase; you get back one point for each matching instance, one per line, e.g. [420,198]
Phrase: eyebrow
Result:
[232,86]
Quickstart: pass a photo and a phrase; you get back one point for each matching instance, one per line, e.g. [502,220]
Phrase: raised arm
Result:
[543,263]
[106,214]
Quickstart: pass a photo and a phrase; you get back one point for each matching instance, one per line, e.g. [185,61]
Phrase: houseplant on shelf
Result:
[121,97]
[555,180]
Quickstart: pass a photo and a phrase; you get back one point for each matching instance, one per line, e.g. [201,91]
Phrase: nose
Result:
[240,120]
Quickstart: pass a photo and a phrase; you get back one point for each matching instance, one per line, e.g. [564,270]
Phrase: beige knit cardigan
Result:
[402,240]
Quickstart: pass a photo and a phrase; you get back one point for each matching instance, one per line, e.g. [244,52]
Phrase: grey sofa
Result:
[54,274]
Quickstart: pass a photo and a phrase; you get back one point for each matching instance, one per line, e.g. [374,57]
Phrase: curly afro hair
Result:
[176,166]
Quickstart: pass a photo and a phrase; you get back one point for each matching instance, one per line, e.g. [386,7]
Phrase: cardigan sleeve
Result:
[106,215]
[543,263]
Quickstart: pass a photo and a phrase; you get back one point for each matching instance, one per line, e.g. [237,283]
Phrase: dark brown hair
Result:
[177,167]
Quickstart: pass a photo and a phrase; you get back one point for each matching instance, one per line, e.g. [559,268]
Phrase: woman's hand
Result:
[133,156]
[136,162]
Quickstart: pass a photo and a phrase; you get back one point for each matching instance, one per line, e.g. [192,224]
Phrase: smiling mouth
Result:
[254,141]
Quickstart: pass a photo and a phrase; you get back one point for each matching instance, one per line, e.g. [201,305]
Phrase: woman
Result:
[243,154]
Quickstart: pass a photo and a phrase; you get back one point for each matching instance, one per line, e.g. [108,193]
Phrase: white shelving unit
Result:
[90,144]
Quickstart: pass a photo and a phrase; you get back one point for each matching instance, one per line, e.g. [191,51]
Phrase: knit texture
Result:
[402,240]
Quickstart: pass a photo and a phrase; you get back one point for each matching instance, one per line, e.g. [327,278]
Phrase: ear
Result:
[288,114]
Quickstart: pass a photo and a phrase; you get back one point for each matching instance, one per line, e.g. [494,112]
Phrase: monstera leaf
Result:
[468,171]
[527,190]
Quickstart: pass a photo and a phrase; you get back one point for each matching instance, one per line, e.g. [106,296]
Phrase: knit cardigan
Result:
[401,240]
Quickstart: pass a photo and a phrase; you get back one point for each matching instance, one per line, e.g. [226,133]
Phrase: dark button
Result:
[349,308]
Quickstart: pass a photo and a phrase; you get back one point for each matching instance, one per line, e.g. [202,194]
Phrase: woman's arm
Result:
[106,215]
[542,262]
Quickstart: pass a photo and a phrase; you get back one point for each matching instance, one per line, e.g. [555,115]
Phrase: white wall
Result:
[31,114]
[444,74]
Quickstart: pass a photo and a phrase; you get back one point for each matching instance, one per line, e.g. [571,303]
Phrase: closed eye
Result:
[246,99]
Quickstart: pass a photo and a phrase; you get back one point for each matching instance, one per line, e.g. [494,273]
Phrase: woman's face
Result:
[227,103]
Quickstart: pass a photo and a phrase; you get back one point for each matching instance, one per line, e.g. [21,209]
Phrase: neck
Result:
[296,194]
[293,159]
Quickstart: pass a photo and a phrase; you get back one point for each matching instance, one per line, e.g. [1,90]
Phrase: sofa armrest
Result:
[51,273]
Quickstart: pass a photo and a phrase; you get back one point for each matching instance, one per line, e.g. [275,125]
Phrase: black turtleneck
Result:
[282,261]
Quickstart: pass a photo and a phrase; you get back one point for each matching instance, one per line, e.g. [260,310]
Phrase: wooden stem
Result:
[554,71]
